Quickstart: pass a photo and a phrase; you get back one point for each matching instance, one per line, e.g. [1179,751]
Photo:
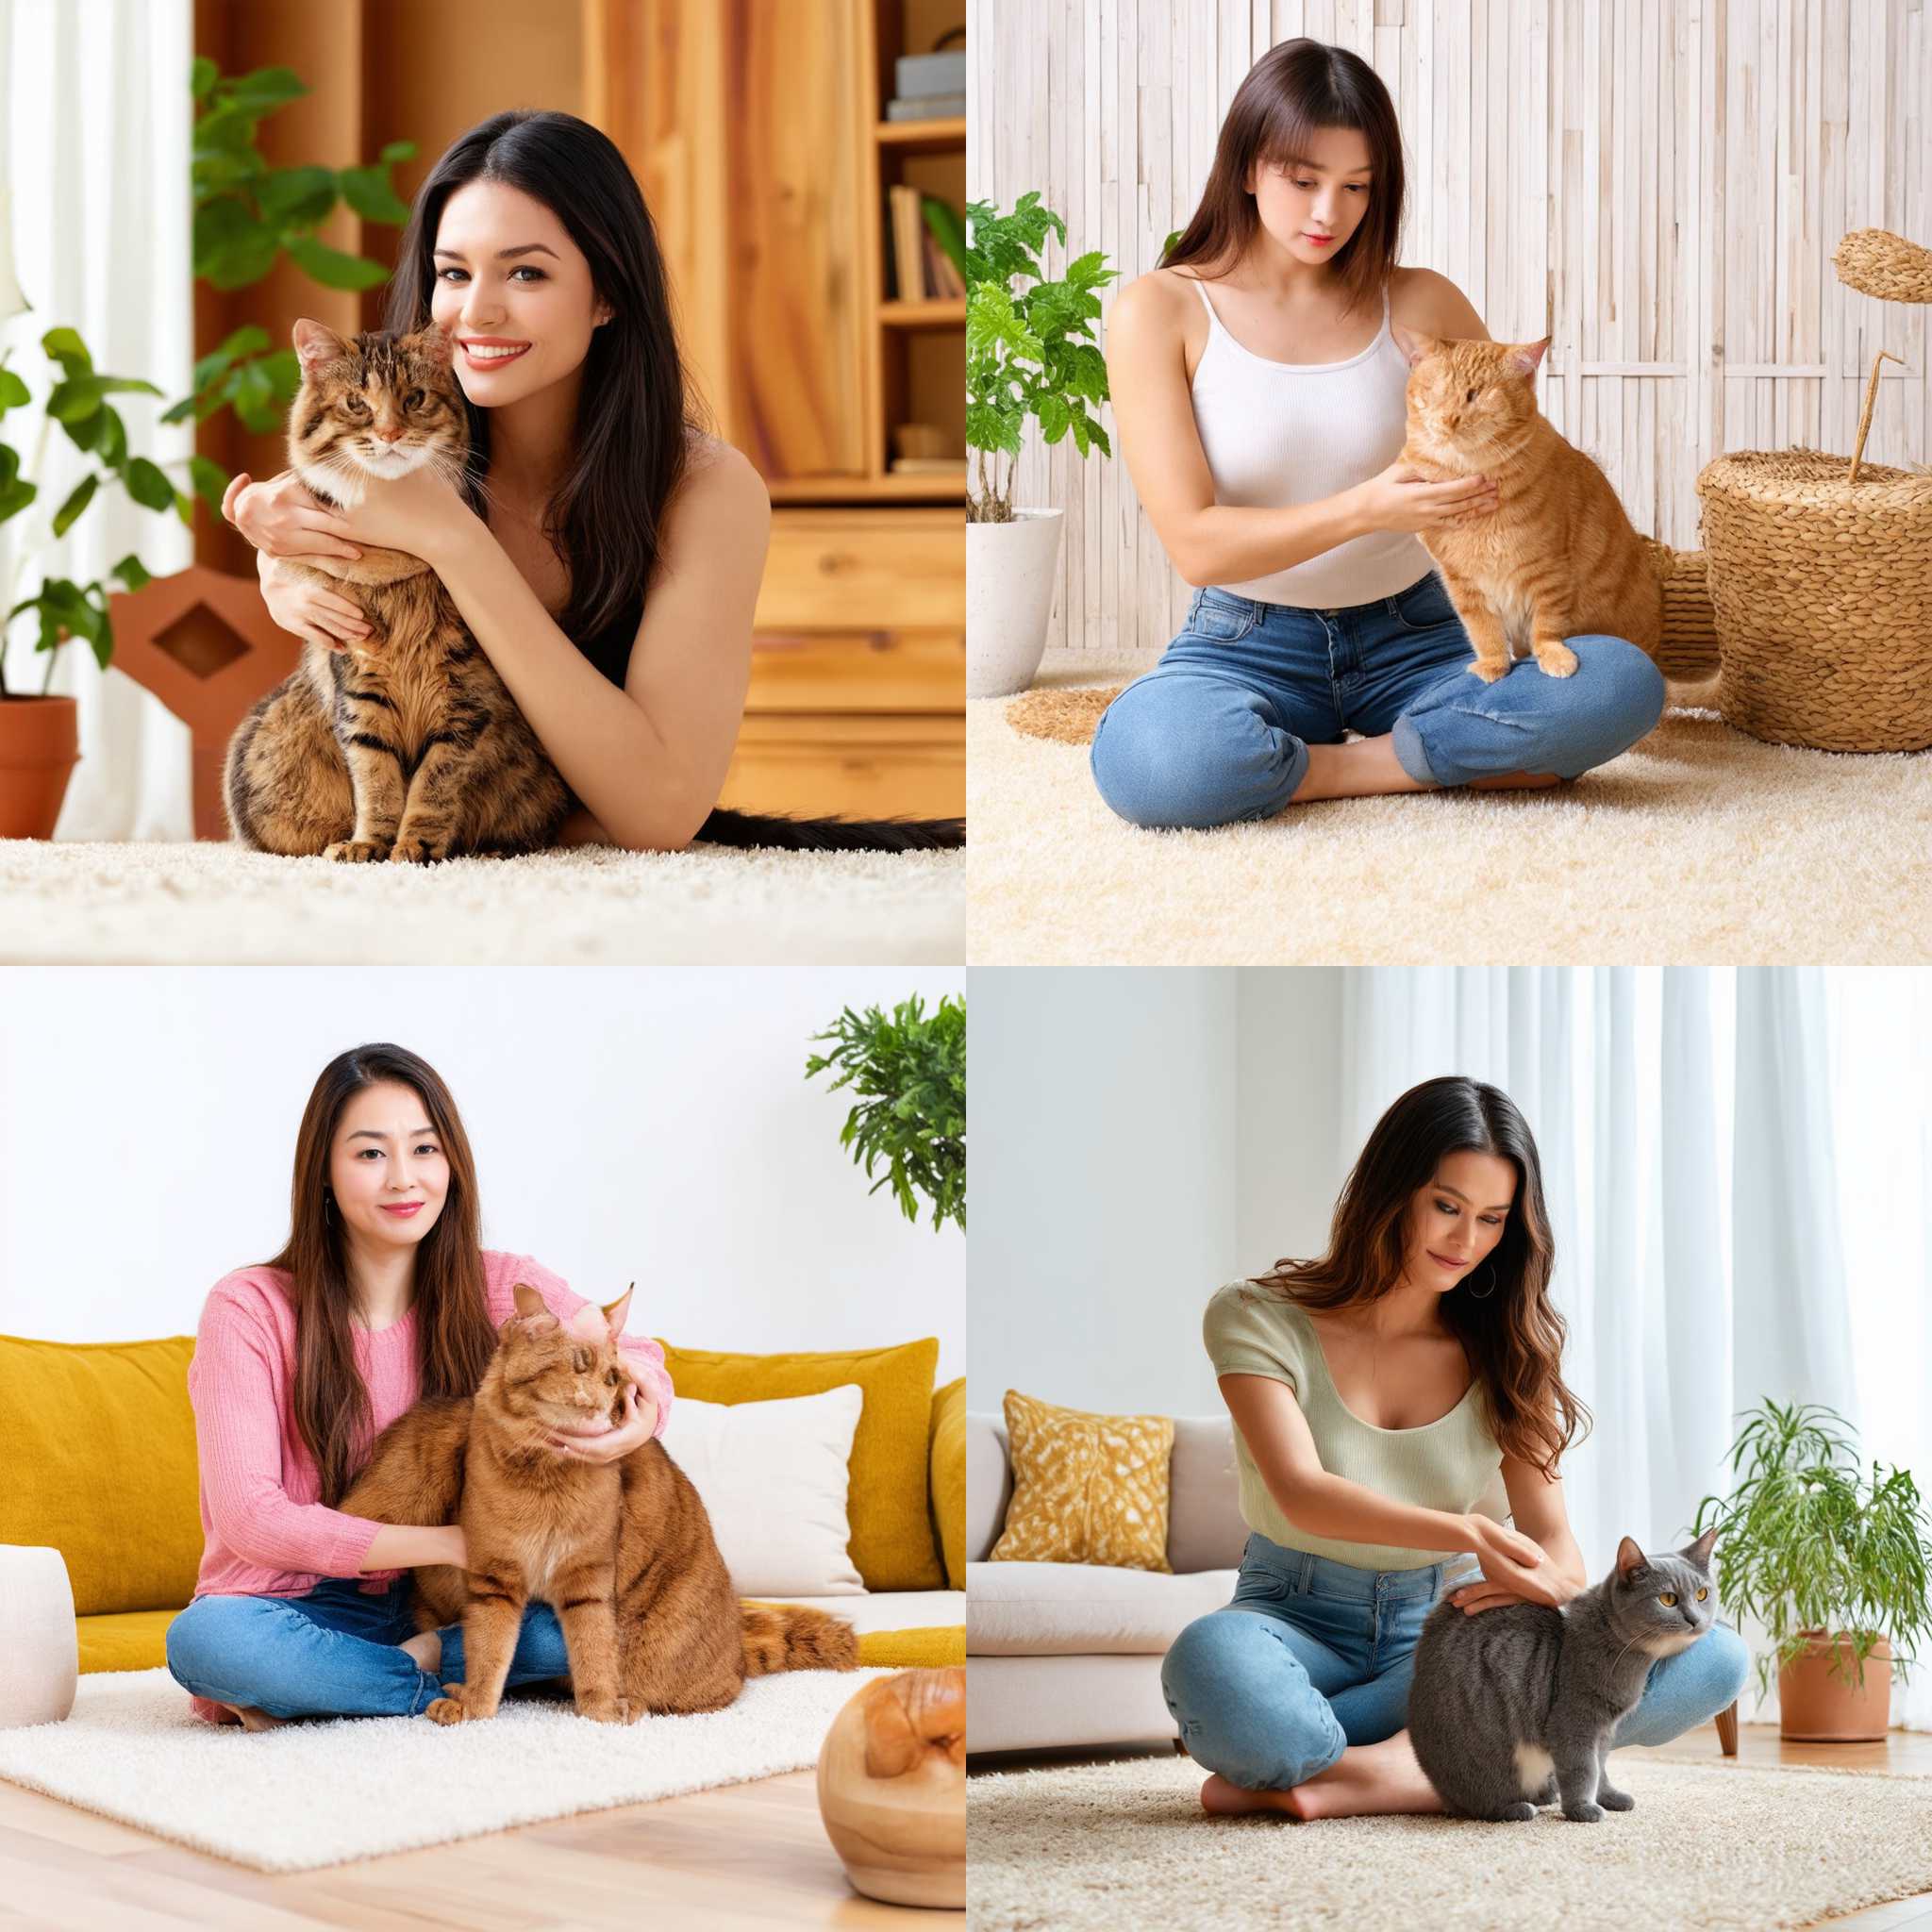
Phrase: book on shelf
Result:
[926,240]
[929,73]
[928,466]
[926,108]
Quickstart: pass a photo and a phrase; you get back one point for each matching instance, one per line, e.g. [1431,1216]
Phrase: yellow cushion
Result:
[948,1453]
[131,1641]
[891,1543]
[1087,1489]
[929,1649]
[101,1466]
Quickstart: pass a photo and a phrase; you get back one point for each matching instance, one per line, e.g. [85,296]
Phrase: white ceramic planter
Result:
[1009,574]
[40,1662]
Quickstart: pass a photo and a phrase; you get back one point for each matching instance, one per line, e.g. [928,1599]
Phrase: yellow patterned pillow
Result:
[1087,1489]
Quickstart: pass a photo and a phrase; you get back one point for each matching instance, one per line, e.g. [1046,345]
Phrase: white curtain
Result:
[1737,1166]
[94,126]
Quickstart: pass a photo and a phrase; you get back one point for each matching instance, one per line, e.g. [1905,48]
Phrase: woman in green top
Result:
[1377,1394]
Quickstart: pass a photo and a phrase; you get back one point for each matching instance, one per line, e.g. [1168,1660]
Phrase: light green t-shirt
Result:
[1452,1463]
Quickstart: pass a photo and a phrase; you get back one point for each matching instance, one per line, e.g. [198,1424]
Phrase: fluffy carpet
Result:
[1714,1846]
[1701,845]
[321,1792]
[71,903]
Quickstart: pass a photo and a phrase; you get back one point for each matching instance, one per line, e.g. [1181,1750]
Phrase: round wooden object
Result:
[892,1787]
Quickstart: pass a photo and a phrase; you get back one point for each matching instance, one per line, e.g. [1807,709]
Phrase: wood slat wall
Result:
[1658,184]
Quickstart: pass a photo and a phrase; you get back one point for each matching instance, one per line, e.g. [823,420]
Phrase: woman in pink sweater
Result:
[382,1297]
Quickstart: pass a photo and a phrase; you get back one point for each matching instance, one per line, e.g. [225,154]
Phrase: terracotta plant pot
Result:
[40,746]
[1817,1706]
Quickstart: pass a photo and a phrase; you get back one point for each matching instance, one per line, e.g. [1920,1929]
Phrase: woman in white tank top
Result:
[1270,474]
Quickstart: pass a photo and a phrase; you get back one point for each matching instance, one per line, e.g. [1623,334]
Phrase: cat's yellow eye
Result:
[1702,1594]
[1668,1599]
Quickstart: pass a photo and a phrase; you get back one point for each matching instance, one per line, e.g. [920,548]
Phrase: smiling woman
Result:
[602,550]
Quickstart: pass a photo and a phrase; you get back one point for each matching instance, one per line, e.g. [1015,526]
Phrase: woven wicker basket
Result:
[1821,576]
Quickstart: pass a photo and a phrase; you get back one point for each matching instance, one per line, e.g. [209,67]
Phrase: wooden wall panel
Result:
[1660,184]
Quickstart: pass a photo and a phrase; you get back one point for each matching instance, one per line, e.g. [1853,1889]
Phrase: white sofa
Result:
[1069,1654]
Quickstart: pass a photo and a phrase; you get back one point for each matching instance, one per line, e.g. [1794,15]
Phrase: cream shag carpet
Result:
[1699,845]
[321,1792]
[1715,1846]
[72,904]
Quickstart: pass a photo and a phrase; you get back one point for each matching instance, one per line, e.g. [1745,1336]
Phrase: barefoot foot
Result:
[256,1719]
[1367,1779]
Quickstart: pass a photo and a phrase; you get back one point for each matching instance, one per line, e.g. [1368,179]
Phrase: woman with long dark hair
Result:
[606,551]
[382,1296]
[1377,1394]
[1260,390]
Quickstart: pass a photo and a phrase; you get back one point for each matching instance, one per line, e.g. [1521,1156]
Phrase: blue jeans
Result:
[334,1652]
[1219,728]
[1313,1655]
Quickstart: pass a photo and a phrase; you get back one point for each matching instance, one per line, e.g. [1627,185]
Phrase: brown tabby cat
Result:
[1557,556]
[622,1550]
[405,745]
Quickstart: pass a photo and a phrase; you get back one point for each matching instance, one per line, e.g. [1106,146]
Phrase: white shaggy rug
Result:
[74,904]
[321,1792]
[1700,845]
[1719,1846]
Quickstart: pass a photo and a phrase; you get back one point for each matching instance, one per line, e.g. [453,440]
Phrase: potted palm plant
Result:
[1029,351]
[1831,1560]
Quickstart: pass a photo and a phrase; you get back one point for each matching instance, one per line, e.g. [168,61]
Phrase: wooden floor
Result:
[752,1856]
[1906,1752]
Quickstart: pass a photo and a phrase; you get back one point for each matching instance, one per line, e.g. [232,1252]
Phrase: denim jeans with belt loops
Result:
[334,1652]
[1219,728]
[1313,1655]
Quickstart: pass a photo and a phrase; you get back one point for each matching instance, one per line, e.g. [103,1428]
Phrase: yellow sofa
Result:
[100,1464]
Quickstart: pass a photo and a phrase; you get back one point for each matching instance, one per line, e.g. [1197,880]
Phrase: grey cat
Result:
[1514,1706]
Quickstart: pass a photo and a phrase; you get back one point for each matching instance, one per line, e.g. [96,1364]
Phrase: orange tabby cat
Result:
[1556,557]
[622,1550]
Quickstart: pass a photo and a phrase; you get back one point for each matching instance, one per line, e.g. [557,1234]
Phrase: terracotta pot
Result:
[40,746]
[1817,1706]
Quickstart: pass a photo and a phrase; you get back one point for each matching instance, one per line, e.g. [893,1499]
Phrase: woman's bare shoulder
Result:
[721,484]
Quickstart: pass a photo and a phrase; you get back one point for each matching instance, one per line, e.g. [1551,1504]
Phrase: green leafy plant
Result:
[908,1075]
[1806,1541]
[77,402]
[1029,351]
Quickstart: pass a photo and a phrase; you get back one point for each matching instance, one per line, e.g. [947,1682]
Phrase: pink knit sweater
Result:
[264,1533]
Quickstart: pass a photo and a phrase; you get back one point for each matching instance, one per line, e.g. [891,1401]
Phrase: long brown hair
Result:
[1290,91]
[636,410]
[453,1336]
[1512,1333]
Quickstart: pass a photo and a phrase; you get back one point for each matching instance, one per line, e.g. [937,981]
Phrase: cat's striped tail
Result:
[746,828]
[789,1637]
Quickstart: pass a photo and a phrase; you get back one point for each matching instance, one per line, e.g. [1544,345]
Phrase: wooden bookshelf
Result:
[757,129]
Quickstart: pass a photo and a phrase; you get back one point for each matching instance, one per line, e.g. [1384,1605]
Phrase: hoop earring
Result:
[1482,1294]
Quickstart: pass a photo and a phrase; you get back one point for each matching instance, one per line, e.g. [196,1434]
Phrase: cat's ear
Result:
[1525,358]
[615,1311]
[435,345]
[317,345]
[1699,1552]
[1412,343]
[1629,1557]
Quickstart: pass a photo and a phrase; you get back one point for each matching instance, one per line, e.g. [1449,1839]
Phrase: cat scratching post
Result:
[204,643]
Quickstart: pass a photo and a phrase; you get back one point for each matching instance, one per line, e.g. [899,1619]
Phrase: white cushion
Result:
[1072,1609]
[773,1477]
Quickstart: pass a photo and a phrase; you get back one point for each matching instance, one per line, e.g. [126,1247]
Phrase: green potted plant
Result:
[908,1072]
[1029,351]
[1833,1563]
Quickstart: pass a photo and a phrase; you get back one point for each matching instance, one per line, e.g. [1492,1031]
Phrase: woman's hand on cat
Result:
[1401,498]
[641,1421]
[310,610]
[285,518]
[1543,1583]
[419,513]
[1515,1569]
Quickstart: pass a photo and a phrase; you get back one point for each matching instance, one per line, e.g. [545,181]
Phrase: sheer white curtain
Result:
[1738,1165]
[94,126]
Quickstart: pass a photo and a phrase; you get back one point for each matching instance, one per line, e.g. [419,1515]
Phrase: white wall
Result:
[1104,1184]
[1140,1136]
[649,1125]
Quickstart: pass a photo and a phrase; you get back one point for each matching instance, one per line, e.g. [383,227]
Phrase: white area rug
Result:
[64,904]
[323,1793]
[1698,847]
[1720,1846]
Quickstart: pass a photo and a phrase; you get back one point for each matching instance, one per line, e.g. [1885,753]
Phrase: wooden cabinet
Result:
[757,131]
